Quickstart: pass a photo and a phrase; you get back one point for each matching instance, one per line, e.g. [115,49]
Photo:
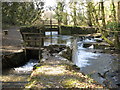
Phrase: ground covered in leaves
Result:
[57,73]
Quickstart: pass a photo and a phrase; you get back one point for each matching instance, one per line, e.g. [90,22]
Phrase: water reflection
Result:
[57,39]
[49,33]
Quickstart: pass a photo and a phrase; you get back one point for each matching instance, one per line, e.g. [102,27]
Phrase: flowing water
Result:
[90,60]
[17,77]
[95,63]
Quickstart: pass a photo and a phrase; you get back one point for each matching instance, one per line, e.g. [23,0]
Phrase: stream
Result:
[101,66]
[92,61]
[17,77]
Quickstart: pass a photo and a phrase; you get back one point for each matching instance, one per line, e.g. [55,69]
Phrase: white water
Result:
[92,63]
[83,55]
[27,67]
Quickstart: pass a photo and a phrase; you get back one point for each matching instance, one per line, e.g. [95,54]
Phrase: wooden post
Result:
[25,46]
[35,41]
[42,39]
[39,56]
[58,29]
[51,30]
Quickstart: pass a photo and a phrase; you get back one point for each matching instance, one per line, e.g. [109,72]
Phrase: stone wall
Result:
[13,60]
[69,30]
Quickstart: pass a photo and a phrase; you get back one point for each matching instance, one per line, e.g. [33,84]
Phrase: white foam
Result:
[27,67]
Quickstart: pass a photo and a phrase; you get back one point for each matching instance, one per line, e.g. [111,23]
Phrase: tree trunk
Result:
[66,20]
[114,11]
[89,11]
[74,17]
[119,12]
[103,14]
[116,34]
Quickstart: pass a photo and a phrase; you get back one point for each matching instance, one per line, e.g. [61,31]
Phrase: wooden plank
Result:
[50,25]
[33,33]
[32,40]
[39,56]
[33,37]
[53,29]
[32,48]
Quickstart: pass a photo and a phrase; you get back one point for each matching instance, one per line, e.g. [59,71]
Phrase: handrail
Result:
[33,33]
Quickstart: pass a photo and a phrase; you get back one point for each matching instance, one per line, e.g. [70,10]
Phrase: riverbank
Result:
[55,71]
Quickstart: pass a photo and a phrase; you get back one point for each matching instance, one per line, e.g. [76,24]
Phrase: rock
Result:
[86,45]
[118,84]
[95,52]
[76,67]
[67,53]
[99,40]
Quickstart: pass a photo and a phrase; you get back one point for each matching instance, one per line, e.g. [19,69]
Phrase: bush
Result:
[113,26]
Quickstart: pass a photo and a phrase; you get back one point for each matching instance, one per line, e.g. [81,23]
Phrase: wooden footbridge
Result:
[51,28]
[34,39]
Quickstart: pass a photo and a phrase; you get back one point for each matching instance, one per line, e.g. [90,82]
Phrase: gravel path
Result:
[12,42]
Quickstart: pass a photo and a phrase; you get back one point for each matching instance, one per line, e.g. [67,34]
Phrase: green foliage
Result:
[59,12]
[21,13]
[113,26]
[26,13]
[73,12]
[9,11]
[64,18]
